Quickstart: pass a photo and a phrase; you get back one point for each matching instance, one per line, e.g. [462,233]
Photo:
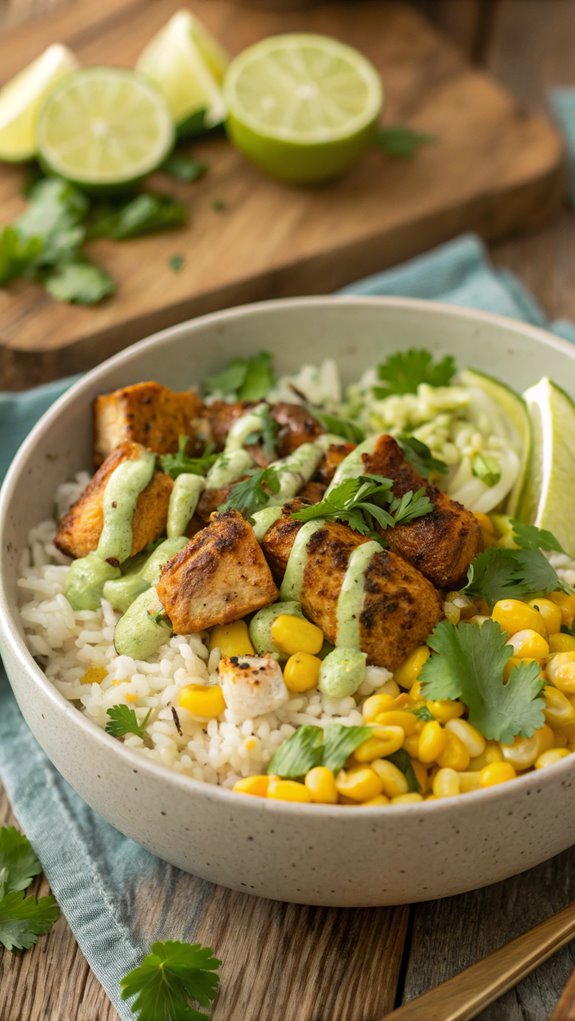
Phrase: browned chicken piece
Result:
[151,414]
[296,426]
[80,529]
[400,608]
[221,416]
[314,490]
[217,578]
[211,499]
[441,544]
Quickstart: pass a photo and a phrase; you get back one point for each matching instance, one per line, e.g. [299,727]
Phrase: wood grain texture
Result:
[272,240]
[565,1009]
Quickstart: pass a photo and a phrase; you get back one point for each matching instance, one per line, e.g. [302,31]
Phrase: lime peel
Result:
[22,97]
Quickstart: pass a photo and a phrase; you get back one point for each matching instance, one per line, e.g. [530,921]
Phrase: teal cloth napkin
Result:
[93,870]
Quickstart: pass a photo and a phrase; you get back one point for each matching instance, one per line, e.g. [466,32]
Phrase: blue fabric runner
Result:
[93,870]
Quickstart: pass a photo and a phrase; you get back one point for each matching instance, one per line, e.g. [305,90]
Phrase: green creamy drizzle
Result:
[123,488]
[184,499]
[352,596]
[264,519]
[243,427]
[293,578]
[352,466]
[295,470]
[228,468]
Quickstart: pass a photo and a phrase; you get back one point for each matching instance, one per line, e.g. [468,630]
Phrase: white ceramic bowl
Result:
[307,854]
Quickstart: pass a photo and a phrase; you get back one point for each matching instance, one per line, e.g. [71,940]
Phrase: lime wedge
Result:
[549,498]
[104,127]
[187,64]
[515,421]
[22,97]
[302,107]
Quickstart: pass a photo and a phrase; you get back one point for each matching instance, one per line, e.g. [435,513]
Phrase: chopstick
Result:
[464,995]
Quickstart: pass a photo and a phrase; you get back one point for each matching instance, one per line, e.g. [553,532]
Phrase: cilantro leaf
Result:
[23,919]
[403,762]
[194,125]
[500,573]
[266,433]
[18,861]
[486,468]
[176,262]
[420,457]
[55,214]
[123,720]
[248,378]
[313,746]
[181,464]
[469,665]
[422,713]
[410,506]
[401,142]
[339,742]
[404,371]
[143,214]
[253,493]
[18,254]
[338,426]
[79,282]
[169,978]
[531,537]
[358,501]
[183,168]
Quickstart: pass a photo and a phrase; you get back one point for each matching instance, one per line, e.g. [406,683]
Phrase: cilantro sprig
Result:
[266,432]
[249,379]
[361,501]
[311,746]
[420,457]
[401,142]
[470,664]
[503,573]
[171,978]
[22,918]
[404,371]
[123,720]
[180,464]
[338,425]
[253,493]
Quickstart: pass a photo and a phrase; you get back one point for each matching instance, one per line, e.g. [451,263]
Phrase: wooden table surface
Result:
[319,964]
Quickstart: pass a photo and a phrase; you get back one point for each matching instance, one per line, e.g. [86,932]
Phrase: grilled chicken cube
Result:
[148,413]
[314,490]
[80,529]
[295,425]
[217,578]
[400,606]
[252,686]
[440,544]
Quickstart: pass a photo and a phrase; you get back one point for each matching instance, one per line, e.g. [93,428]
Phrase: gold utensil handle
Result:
[565,1009]
[464,995]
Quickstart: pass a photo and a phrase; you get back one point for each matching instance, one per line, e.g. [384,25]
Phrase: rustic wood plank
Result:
[565,1009]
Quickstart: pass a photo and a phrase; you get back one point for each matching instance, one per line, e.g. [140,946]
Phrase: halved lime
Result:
[549,499]
[104,127]
[187,64]
[22,97]
[302,107]
[516,422]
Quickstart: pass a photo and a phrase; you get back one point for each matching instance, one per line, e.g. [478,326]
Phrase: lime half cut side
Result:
[103,127]
[22,97]
[302,107]
[549,498]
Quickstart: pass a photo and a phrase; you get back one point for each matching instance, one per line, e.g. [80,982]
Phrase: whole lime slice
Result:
[104,127]
[549,498]
[302,107]
[22,97]
[187,64]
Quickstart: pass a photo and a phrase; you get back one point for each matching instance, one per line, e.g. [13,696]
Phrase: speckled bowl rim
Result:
[9,618]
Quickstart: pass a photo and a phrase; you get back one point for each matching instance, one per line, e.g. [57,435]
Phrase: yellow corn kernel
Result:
[294,634]
[288,790]
[411,745]
[545,739]
[469,735]
[402,701]
[407,799]
[550,612]
[94,675]
[232,639]
[398,718]
[492,753]
[320,783]
[432,742]
[469,780]
[360,783]
[205,700]
[445,710]
[522,753]
[529,644]
[513,616]
[256,785]
[130,697]
[385,741]
[478,618]
[496,772]
[376,704]
[392,779]
[380,799]
[560,738]
[561,643]
[301,672]
[415,692]
[559,711]
[251,743]
[487,527]
[421,775]
[566,604]
[445,783]
[561,671]
[455,755]
[551,756]
[407,674]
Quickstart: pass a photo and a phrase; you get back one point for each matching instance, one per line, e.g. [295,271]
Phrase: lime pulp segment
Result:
[22,97]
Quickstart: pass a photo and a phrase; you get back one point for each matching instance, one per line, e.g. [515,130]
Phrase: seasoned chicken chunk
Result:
[80,529]
[295,424]
[148,413]
[400,606]
[441,544]
[314,490]
[218,577]
[252,685]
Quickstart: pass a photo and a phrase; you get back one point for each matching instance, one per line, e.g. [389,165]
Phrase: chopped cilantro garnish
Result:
[338,425]
[401,142]
[184,168]
[193,126]
[123,720]
[361,501]
[403,762]
[144,214]
[176,262]
[249,379]
[22,919]
[313,746]
[420,457]
[181,464]
[18,861]
[501,573]
[531,537]
[79,283]
[170,978]
[266,433]
[404,371]
[253,493]
[486,468]
[218,205]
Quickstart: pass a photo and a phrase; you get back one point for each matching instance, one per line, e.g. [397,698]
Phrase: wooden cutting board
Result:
[494,169]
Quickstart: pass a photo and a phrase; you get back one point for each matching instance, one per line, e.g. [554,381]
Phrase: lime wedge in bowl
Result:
[104,128]
[549,496]
[187,64]
[22,97]
[302,107]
